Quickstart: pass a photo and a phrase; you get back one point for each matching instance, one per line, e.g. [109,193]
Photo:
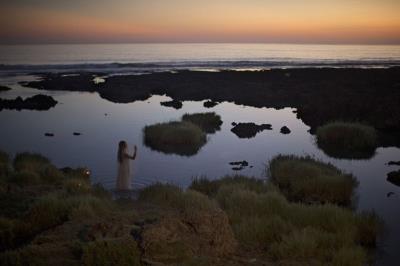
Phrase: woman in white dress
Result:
[124,178]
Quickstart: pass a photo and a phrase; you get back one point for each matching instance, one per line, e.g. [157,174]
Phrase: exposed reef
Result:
[4,88]
[249,130]
[319,95]
[38,102]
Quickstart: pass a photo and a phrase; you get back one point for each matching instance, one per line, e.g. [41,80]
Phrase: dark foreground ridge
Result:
[38,102]
[321,95]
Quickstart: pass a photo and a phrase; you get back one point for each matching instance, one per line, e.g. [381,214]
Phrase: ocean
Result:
[145,58]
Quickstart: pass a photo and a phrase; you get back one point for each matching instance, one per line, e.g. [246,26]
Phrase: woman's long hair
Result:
[121,150]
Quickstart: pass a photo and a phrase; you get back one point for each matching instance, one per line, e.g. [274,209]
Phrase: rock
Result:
[393,163]
[38,102]
[174,103]
[233,124]
[394,177]
[210,104]
[177,238]
[4,88]
[285,130]
[77,134]
[389,194]
[249,130]
[47,134]
[241,163]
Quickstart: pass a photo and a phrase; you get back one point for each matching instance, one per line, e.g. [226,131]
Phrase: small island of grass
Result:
[179,137]
[185,137]
[347,140]
[308,180]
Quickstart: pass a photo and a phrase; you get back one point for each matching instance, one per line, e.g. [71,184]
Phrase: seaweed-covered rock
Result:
[38,102]
[249,130]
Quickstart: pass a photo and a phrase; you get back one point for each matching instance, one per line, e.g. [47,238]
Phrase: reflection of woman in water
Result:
[123,178]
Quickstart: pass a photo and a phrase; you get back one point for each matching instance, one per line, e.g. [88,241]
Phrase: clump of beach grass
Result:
[5,168]
[111,252]
[209,122]
[347,140]
[183,138]
[30,161]
[292,233]
[211,187]
[304,179]
[171,196]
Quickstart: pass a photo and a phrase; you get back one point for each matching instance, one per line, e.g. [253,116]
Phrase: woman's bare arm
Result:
[132,157]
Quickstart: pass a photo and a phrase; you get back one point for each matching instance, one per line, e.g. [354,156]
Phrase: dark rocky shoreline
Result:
[320,95]
[37,102]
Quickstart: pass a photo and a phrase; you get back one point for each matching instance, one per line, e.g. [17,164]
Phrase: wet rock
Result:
[393,163]
[48,134]
[241,163]
[76,134]
[4,88]
[210,104]
[174,104]
[389,194]
[177,238]
[394,177]
[285,130]
[38,102]
[249,130]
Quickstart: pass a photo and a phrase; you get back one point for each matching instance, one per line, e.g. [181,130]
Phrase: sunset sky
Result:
[119,21]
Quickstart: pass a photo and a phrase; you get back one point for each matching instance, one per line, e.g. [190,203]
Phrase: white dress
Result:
[124,177]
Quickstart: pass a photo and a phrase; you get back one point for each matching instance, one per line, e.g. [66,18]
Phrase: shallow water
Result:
[96,148]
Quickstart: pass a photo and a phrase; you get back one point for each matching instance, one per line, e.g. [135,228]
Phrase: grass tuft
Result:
[307,180]
[174,197]
[111,252]
[211,187]
[208,122]
[347,140]
[30,162]
[293,233]
[182,138]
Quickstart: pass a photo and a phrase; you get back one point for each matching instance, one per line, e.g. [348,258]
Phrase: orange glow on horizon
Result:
[367,21]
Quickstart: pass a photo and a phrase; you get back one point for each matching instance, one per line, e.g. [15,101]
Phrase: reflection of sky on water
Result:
[96,147]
